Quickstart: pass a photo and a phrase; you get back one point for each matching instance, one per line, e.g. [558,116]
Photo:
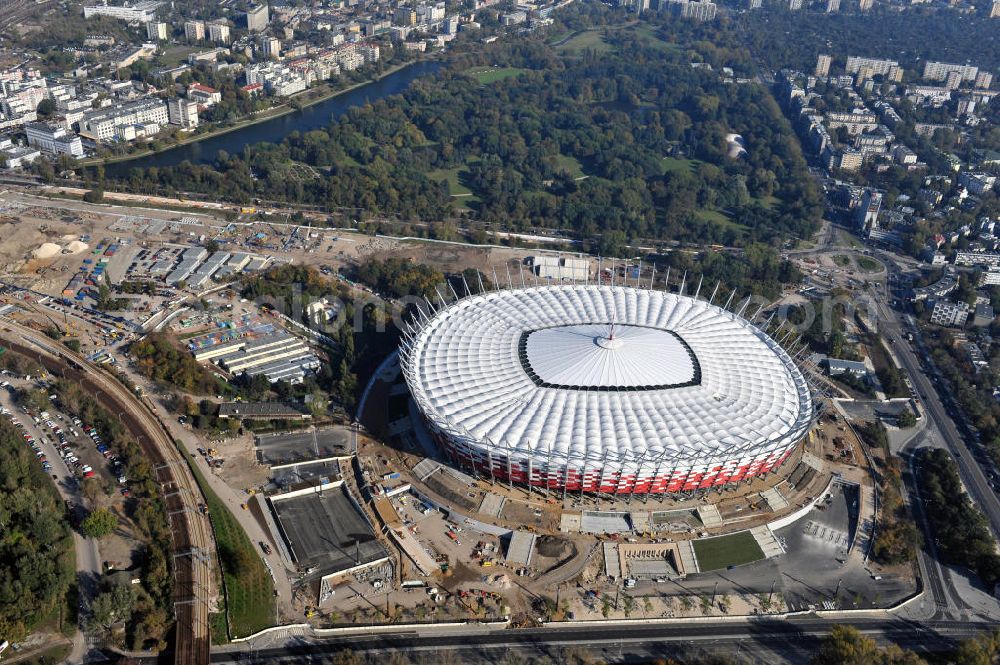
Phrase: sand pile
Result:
[76,247]
[46,250]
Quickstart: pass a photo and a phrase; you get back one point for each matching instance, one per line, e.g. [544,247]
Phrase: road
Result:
[773,640]
[972,475]
[193,543]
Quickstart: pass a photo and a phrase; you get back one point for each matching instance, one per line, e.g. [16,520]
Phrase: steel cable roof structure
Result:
[602,388]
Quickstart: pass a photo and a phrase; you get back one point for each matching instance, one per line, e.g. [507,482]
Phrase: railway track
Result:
[193,542]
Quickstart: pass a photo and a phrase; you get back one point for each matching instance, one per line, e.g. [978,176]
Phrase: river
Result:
[276,129]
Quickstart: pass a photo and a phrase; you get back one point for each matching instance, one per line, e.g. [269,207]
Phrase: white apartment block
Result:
[218,33]
[183,112]
[140,12]
[53,139]
[938,71]
[102,124]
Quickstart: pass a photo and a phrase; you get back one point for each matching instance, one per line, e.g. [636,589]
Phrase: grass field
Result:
[454,179]
[50,656]
[587,39]
[571,165]
[842,260]
[679,164]
[868,264]
[724,551]
[249,588]
[493,74]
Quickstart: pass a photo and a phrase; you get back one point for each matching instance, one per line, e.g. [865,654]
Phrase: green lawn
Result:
[494,74]
[648,32]
[842,260]
[249,588]
[588,39]
[175,55]
[570,165]
[454,179]
[714,216]
[680,164]
[724,551]
[868,264]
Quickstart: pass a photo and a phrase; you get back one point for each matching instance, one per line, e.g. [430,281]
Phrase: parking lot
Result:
[63,439]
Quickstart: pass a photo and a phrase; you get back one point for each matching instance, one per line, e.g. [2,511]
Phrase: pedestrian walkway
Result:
[769,543]
[709,515]
[774,498]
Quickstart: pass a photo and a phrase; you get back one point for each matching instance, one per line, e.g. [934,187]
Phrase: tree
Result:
[906,419]
[100,523]
[95,195]
[45,108]
[846,646]
[111,607]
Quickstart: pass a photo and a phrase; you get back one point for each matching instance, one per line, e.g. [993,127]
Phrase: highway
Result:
[192,538]
[891,329]
[771,640]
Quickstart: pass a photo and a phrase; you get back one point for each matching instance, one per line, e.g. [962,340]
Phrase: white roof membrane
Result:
[538,371]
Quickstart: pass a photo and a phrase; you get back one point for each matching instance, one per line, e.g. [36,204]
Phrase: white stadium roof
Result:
[540,370]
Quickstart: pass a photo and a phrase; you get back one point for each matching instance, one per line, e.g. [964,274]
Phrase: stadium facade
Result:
[610,389]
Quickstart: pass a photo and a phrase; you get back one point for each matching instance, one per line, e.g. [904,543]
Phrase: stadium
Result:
[604,389]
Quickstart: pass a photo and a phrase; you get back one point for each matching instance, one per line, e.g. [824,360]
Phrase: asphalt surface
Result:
[764,640]
[972,475]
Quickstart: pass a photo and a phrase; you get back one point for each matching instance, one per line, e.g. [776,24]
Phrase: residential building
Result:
[983,315]
[866,216]
[53,139]
[844,159]
[203,95]
[865,5]
[257,18]
[984,79]
[857,121]
[928,94]
[938,71]
[832,6]
[140,12]
[699,10]
[109,123]
[794,5]
[218,33]
[194,31]
[156,31]
[989,278]
[977,183]
[405,16]
[183,112]
[513,18]
[995,9]
[271,47]
[950,314]
[991,261]
[903,155]
[875,67]
[823,62]
[18,156]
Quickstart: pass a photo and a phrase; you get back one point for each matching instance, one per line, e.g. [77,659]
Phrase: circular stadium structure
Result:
[611,389]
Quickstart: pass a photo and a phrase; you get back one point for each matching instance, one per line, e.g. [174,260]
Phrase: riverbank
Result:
[264,116]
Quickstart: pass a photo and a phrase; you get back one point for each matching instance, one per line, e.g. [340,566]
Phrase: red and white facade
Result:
[605,389]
